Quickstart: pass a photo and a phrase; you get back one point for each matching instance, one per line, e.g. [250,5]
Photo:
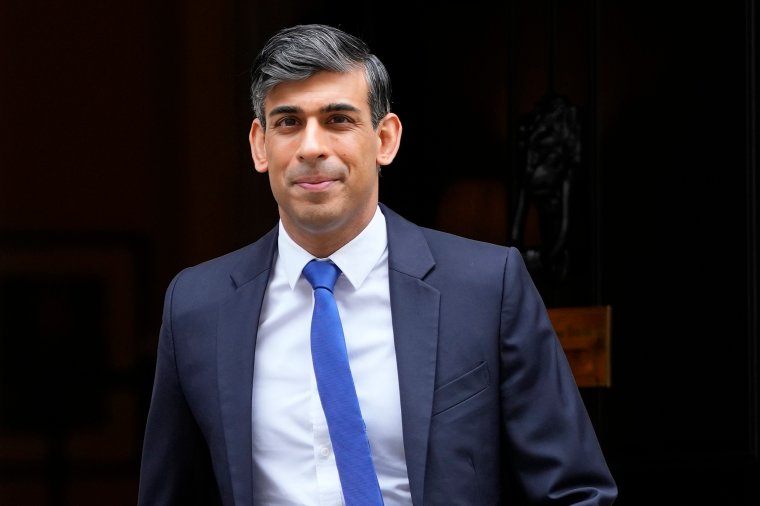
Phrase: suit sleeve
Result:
[175,467]
[550,441]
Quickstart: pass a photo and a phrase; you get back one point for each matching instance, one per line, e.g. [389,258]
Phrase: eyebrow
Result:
[339,107]
[292,109]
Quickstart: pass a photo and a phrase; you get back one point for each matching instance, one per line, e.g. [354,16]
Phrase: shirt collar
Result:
[356,259]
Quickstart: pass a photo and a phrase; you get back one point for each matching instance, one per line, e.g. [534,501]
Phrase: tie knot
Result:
[321,274]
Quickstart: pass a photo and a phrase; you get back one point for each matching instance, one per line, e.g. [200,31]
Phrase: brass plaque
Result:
[584,333]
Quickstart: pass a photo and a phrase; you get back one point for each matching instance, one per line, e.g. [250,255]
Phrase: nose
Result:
[312,146]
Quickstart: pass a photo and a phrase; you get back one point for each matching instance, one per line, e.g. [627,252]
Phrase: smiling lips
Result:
[315,184]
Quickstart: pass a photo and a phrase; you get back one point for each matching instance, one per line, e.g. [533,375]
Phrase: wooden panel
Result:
[585,336]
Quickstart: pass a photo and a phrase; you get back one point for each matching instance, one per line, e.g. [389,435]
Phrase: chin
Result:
[321,218]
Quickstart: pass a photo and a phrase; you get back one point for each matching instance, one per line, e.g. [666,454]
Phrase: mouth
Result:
[314,184]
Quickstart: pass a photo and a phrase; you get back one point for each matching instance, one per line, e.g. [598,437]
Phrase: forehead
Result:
[322,88]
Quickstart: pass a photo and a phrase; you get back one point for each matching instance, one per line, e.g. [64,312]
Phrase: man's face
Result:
[322,155]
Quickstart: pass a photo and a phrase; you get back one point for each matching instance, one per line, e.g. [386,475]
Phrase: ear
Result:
[258,148]
[388,138]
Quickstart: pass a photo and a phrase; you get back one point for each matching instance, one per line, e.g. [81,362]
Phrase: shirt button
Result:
[325,451]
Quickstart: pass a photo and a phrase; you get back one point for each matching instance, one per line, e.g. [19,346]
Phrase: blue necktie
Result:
[348,433]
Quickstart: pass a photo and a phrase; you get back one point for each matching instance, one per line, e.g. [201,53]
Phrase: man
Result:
[461,381]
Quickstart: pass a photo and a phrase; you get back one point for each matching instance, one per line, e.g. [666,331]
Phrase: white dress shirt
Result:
[293,462]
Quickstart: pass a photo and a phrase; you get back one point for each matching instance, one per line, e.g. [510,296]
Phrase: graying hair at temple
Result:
[301,51]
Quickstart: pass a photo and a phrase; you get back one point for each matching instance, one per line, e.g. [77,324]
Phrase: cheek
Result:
[357,154]
[279,151]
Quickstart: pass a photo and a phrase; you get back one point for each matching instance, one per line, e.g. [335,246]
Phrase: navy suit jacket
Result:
[487,396]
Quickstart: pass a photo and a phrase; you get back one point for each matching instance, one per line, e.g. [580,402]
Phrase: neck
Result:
[323,243]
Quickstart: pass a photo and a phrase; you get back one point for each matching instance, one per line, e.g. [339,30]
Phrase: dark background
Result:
[124,157]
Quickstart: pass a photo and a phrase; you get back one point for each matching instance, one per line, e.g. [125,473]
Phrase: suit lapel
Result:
[238,327]
[415,313]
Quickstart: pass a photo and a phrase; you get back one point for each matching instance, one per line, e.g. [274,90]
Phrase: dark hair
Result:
[301,51]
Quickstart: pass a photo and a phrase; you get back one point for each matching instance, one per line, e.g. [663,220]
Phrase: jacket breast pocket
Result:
[461,388]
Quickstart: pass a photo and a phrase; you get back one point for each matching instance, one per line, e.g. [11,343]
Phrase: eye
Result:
[286,121]
[339,119]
